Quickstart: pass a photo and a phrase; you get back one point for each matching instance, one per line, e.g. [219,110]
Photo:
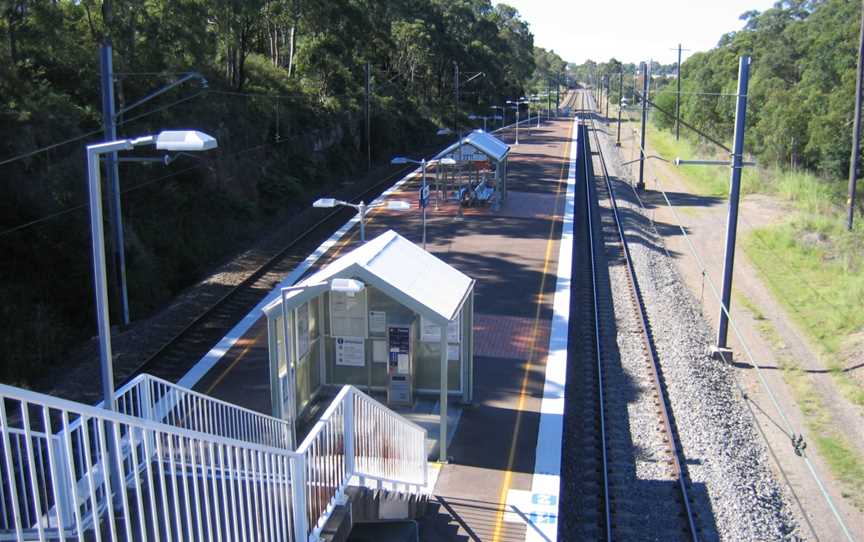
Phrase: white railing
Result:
[75,471]
[158,400]
[168,484]
[357,438]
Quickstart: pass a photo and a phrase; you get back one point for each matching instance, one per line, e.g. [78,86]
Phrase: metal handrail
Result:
[134,476]
[158,400]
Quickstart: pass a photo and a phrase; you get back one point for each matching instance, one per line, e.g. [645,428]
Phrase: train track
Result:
[172,359]
[614,503]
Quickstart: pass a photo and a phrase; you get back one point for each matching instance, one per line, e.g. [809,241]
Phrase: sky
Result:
[631,30]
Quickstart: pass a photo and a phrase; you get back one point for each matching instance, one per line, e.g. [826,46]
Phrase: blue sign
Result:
[424,196]
[544,499]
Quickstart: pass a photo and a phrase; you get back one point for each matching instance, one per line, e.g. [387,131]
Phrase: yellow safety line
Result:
[508,474]
[234,363]
[338,250]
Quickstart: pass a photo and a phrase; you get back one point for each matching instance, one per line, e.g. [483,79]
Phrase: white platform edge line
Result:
[211,358]
[547,462]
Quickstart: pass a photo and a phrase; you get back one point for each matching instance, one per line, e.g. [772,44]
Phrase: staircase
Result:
[173,464]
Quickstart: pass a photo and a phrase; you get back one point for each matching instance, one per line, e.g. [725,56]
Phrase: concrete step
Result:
[385,531]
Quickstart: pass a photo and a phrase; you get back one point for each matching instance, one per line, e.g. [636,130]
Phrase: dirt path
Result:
[767,329]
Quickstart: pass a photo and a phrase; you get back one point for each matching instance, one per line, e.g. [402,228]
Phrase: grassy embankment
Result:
[816,269]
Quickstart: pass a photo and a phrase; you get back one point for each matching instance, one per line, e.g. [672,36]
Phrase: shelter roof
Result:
[400,269]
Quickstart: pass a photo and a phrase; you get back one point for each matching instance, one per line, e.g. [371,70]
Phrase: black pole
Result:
[620,98]
[641,184]
[109,124]
[607,99]
[734,193]
[856,131]
[678,98]
[368,120]
[456,100]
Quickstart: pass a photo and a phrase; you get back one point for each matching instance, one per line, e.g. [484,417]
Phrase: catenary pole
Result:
[109,124]
[856,131]
[620,105]
[644,69]
[734,193]
[607,99]
[367,114]
[678,97]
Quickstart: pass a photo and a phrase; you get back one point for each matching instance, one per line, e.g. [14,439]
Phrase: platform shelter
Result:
[477,148]
[388,317]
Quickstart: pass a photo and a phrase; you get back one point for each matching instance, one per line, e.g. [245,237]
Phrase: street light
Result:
[503,116]
[516,104]
[393,205]
[424,189]
[485,118]
[183,140]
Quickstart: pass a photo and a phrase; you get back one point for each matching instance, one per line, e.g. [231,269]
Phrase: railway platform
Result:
[512,253]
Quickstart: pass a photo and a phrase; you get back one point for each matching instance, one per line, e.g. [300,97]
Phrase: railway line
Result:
[172,359]
[609,498]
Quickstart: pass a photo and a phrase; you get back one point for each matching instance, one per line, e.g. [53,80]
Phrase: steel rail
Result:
[675,451]
[259,272]
[607,508]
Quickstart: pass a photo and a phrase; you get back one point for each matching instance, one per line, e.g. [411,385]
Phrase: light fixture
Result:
[185,140]
[324,203]
[346,286]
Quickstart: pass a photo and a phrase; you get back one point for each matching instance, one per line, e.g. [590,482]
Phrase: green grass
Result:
[830,442]
[703,180]
[820,282]
[815,268]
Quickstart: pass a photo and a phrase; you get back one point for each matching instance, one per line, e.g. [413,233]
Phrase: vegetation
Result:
[284,97]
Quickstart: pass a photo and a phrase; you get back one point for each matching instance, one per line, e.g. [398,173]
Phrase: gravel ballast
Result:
[737,496]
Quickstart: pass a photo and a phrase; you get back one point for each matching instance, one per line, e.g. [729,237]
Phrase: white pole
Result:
[424,200]
[517,123]
[362,209]
[97,241]
[442,438]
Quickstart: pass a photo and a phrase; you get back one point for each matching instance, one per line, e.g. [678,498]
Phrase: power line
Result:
[79,207]
[94,132]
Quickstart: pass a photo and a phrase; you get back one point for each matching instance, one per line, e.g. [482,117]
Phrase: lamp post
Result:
[362,208]
[516,104]
[184,140]
[109,124]
[424,188]
[503,116]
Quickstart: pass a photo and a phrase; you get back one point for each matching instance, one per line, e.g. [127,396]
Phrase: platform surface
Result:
[512,254]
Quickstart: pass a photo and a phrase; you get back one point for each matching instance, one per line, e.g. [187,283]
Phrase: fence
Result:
[74,471]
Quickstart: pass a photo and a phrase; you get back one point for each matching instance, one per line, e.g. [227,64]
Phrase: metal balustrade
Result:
[165,469]
[356,437]
[161,401]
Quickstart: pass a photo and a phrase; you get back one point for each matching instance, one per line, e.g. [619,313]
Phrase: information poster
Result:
[379,351]
[430,332]
[302,330]
[348,314]
[377,322]
[453,352]
[350,351]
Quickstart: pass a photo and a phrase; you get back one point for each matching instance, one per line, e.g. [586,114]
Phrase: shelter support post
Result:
[442,438]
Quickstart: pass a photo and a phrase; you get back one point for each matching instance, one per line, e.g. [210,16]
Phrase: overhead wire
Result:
[138,186]
[796,439]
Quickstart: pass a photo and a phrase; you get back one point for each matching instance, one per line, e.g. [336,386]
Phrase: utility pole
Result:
[734,193]
[856,130]
[620,103]
[366,113]
[678,97]
[109,124]
[641,184]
